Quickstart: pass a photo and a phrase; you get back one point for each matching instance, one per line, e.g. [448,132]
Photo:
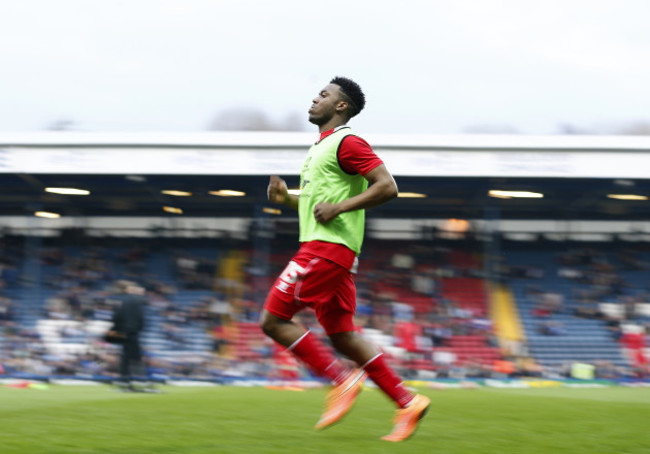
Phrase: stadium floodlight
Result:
[176,193]
[627,196]
[68,191]
[136,178]
[456,225]
[227,193]
[411,195]
[47,214]
[172,210]
[501,194]
[271,210]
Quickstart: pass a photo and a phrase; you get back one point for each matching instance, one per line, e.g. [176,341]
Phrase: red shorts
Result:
[315,282]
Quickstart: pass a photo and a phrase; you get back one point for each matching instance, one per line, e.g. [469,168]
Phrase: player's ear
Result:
[341,106]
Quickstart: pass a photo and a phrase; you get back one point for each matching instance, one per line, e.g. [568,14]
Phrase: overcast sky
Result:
[439,67]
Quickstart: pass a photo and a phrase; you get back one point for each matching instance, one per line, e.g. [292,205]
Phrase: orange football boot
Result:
[407,419]
[340,399]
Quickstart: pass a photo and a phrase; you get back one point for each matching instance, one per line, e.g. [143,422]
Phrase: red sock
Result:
[319,359]
[387,380]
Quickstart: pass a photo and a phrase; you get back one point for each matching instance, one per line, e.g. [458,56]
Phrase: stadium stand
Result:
[424,304]
[572,301]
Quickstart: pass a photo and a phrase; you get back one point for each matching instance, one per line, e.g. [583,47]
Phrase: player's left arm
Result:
[381,189]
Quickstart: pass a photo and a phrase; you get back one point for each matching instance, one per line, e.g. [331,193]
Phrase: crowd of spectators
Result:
[79,287]
[607,285]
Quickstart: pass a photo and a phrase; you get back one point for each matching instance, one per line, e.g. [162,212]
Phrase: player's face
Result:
[323,106]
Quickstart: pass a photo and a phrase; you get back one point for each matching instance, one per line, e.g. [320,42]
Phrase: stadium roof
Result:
[126,174]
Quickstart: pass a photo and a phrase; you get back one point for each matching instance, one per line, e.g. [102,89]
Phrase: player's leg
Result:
[354,346]
[334,319]
[311,282]
[305,346]
[280,307]
[370,359]
[338,322]
[411,408]
[284,332]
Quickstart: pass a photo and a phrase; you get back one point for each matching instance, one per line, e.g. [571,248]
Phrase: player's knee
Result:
[269,324]
[343,341]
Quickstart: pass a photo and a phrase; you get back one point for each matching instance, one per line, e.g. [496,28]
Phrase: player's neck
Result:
[332,124]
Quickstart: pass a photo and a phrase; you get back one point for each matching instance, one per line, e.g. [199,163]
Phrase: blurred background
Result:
[136,140]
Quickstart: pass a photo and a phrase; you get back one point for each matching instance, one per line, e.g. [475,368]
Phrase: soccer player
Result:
[340,178]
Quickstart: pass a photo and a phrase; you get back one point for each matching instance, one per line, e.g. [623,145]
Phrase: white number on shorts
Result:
[291,273]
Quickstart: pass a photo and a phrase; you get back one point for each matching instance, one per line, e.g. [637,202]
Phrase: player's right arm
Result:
[278,192]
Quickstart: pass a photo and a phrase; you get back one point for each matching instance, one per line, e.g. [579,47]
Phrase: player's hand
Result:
[325,212]
[277,190]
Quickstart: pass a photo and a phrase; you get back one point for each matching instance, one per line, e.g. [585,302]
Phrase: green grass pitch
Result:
[96,419]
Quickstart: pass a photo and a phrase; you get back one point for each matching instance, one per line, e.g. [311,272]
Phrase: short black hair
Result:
[352,94]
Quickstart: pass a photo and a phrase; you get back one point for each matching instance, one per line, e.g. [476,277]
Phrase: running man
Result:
[340,178]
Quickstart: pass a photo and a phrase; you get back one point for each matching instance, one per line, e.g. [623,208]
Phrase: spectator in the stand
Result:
[219,310]
[74,303]
[613,325]
[194,272]
[174,319]
[364,312]
[56,307]
[551,328]
[219,339]
[173,334]
[570,273]
[460,312]
[441,333]
[481,326]
[402,261]
[402,311]
[444,360]
[406,333]
[134,259]
[423,282]
[6,311]
[631,261]
[249,310]
[606,370]
[381,318]
[629,306]
[548,304]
